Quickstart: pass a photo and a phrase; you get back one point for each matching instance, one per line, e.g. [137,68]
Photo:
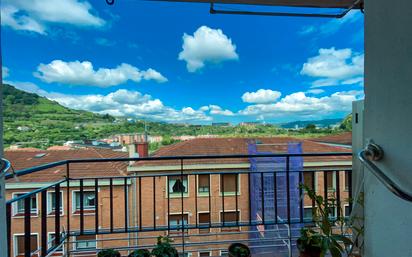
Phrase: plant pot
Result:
[140,253]
[238,250]
[310,253]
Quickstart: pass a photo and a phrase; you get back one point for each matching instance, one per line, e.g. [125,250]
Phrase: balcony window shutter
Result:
[229,181]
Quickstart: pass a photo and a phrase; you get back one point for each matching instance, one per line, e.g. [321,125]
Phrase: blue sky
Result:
[175,62]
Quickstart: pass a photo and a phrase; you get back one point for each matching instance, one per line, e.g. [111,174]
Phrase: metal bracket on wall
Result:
[373,153]
[288,14]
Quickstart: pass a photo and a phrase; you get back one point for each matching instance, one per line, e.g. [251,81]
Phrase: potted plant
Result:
[108,253]
[238,250]
[140,253]
[328,236]
[164,248]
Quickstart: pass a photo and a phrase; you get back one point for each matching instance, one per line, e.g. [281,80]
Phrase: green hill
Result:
[32,118]
[35,121]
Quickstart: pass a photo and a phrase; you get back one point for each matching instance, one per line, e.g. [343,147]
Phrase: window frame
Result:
[316,177]
[307,207]
[75,247]
[232,228]
[15,247]
[204,230]
[209,252]
[224,251]
[50,211]
[76,211]
[334,173]
[346,185]
[210,185]
[178,194]
[177,230]
[17,214]
[230,193]
[49,243]
[344,210]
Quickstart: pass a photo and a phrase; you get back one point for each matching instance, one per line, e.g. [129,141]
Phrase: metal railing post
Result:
[68,208]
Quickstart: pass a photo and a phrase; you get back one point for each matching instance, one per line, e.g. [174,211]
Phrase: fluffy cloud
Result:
[299,105]
[261,96]
[217,110]
[5,72]
[315,91]
[83,73]
[335,66]
[121,103]
[35,15]
[206,46]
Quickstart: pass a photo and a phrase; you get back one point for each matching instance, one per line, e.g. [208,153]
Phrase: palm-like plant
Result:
[330,235]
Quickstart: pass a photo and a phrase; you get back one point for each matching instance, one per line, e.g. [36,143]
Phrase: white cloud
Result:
[307,29]
[120,103]
[217,110]
[332,26]
[83,73]
[4,72]
[151,74]
[335,66]
[299,105]
[35,15]
[206,46]
[315,91]
[261,96]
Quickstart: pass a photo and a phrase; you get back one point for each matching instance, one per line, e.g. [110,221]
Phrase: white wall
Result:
[388,121]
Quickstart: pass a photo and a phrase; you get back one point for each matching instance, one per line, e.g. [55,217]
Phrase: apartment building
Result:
[199,193]
[69,210]
[204,204]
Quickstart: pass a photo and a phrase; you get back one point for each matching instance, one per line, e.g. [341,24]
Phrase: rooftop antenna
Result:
[145,131]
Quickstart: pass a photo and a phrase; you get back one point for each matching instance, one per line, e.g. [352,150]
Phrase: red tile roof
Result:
[26,159]
[343,139]
[59,147]
[232,146]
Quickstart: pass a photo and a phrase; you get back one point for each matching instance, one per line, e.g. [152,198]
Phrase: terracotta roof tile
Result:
[229,146]
[343,138]
[26,159]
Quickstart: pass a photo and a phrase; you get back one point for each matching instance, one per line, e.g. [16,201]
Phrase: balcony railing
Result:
[202,209]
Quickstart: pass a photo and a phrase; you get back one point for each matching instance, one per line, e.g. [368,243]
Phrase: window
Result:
[228,183]
[86,242]
[177,185]
[176,221]
[51,203]
[347,182]
[307,213]
[347,210]
[19,245]
[19,205]
[223,253]
[89,200]
[229,218]
[332,212]
[330,181]
[50,242]
[204,254]
[308,178]
[203,183]
[204,220]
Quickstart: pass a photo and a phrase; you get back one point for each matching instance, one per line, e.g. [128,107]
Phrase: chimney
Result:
[139,149]
[142,149]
